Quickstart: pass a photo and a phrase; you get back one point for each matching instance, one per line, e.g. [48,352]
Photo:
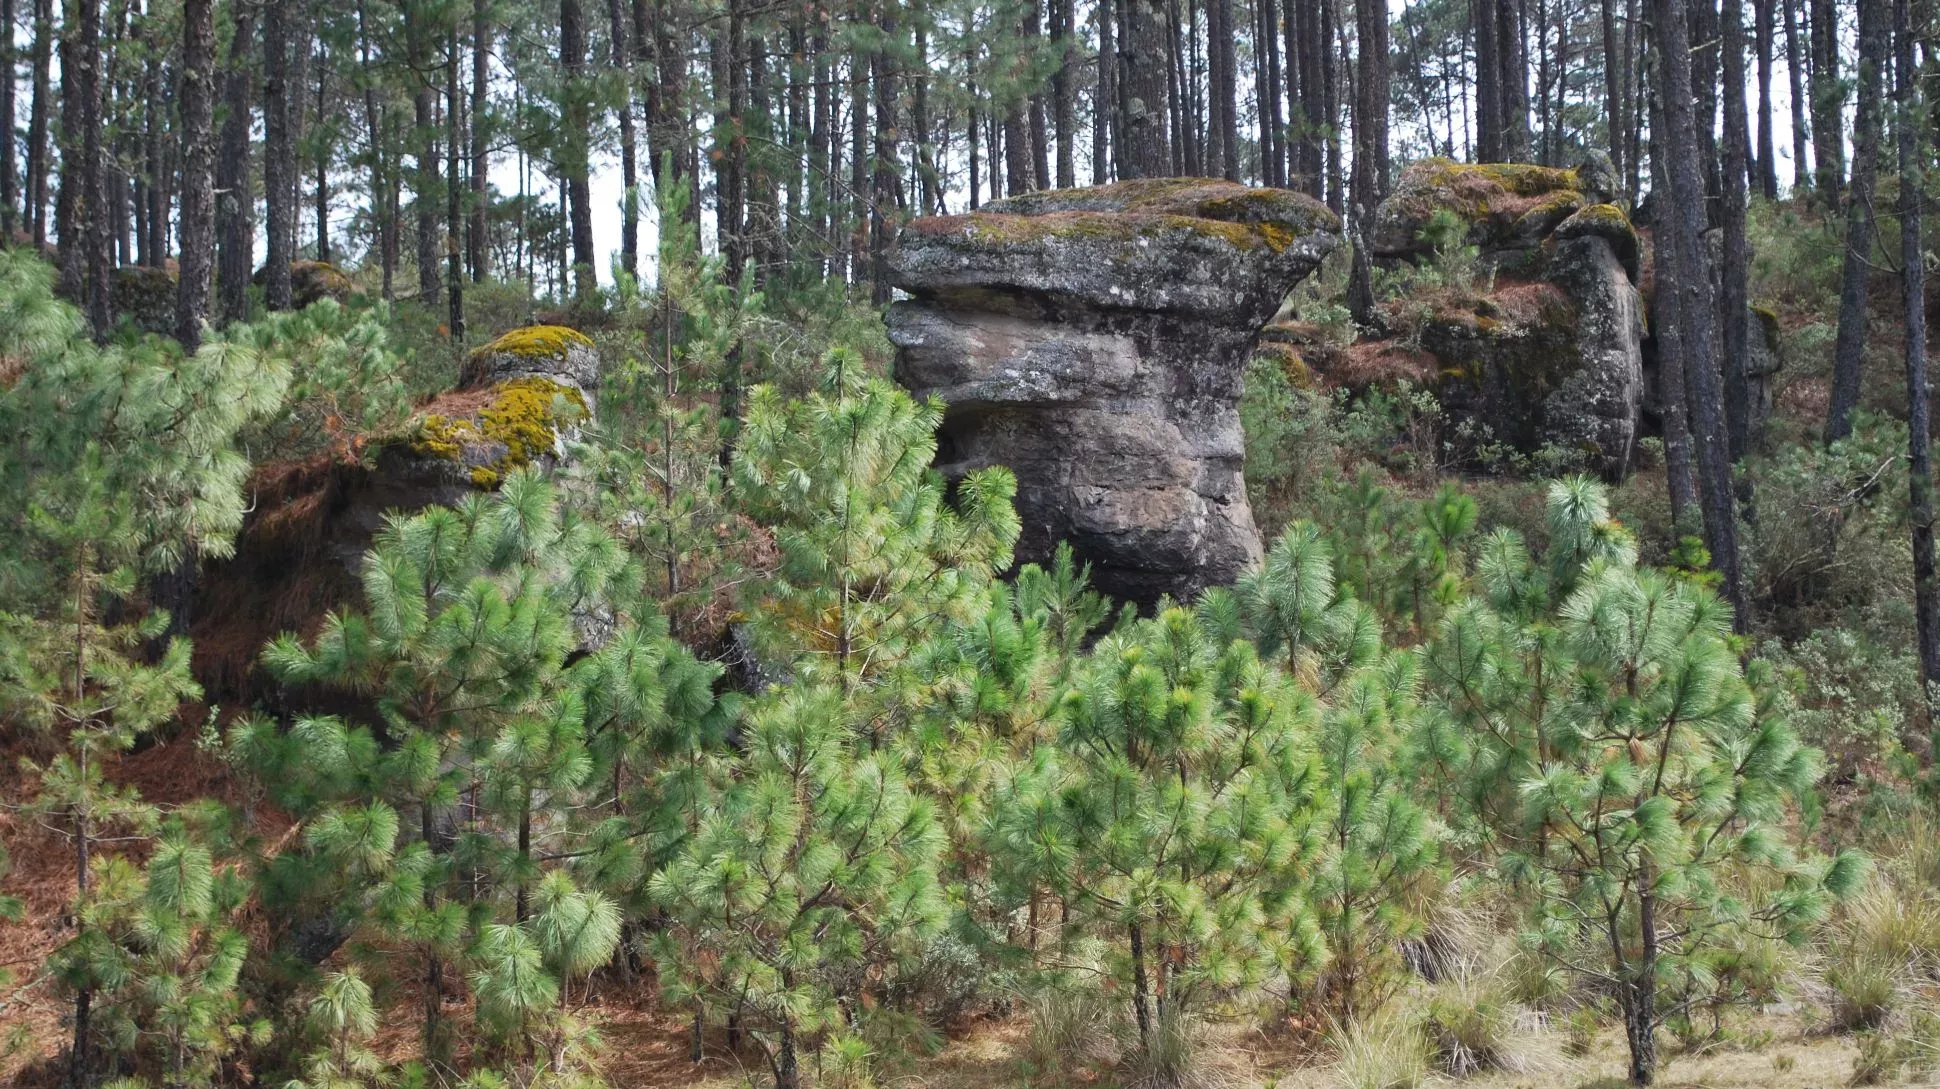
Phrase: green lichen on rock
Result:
[535,341]
[1767,319]
[523,418]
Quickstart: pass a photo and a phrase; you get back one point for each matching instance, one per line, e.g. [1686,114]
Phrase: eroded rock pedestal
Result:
[1093,341]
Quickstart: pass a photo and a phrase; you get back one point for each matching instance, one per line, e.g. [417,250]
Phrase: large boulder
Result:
[311,282]
[311,521]
[1093,340]
[1541,347]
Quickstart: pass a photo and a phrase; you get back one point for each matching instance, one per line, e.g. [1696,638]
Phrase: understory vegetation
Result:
[741,715]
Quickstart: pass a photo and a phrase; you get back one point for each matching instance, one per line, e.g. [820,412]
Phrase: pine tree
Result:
[870,549]
[811,869]
[1170,818]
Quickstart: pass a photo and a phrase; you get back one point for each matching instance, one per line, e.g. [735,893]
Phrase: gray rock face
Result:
[1093,341]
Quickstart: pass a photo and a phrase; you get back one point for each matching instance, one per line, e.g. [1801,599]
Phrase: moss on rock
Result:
[520,423]
[535,341]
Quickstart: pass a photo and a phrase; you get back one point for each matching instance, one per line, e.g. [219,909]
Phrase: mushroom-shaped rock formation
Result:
[1093,340]
[1544,347]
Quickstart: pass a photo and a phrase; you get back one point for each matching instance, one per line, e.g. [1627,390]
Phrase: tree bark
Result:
[1908,126]
[196,101]
[577,122]
[9,177]
[1763,19]
[1828,100]
[476,234]
[1795,63]
[454,189]
[1104,98]
[38,167]
[426,188]
[1681,275]
[279,157]
[235,204]
[1064,93]
[629,154]
[1849,343]
[1148,150]
[1734,300]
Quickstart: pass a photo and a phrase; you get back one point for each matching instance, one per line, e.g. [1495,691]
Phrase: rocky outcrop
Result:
[1535,340]
[518,403]
[1093,340]
[312,281]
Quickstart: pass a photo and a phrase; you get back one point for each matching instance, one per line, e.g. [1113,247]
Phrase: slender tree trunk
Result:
[1104,98]
[577,123]
[888,118]
[1141,987]
[1734,301]
[629,155]
[279,156]
[426,188]
[1222,148]
[1039,111]
[9,178]
[1148,152]
[1064,93]
[196,100]
[478,231]
[1513,56]
[1763,19]
[323,152]
[1849,343]
[1908,127]
[1488,82]
[1682,276]
[1828,104]
[383,206]
[1795,76]
[38,167]
[235,204]
[454,190]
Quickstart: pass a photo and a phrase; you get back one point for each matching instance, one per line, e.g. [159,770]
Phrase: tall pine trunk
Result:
[1849,343]
[9,177]
[1681,275]
[279,156]
[1148,150]
[1763,19]
[1795,64]
[425,188]
[235,204]
[38,166]
[196,101]
[576,120]
[1908,126]
[629,154]
[1828,100]
[476,233]
[1734,300]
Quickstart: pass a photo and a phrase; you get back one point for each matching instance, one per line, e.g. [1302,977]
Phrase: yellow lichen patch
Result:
[1522,179]
[524,417]
[1000,229]
[535,341]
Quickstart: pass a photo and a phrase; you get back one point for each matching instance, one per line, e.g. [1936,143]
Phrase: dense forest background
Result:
[702,733]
